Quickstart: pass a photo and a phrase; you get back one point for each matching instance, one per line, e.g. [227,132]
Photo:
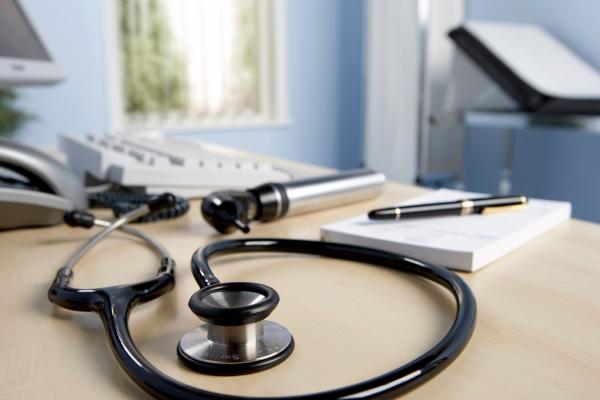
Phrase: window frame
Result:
[273,84]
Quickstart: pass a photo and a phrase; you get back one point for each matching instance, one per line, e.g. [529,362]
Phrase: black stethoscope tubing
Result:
[114,304]
[407,376]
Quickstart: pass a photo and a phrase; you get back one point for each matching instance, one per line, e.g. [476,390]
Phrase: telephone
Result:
[35,189]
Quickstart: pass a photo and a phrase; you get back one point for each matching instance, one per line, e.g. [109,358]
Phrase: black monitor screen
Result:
[17,38]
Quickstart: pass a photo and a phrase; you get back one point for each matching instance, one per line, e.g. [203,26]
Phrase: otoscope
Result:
[234,209]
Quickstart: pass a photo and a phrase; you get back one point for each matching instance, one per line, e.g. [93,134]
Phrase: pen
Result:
[484,205]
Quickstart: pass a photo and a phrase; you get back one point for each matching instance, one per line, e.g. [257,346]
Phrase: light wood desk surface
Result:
[537,335]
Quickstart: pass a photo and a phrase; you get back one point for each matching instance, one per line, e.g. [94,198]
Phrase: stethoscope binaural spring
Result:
[236,337]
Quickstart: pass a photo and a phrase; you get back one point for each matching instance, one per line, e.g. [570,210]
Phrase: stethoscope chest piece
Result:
[235,339]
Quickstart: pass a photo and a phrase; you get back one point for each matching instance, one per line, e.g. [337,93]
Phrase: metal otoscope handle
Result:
[228,210]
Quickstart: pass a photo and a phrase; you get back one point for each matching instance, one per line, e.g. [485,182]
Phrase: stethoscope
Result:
[236,337]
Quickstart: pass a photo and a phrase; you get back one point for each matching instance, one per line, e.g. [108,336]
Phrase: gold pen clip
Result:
[500,209]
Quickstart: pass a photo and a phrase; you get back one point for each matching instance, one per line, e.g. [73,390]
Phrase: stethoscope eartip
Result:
[236,339]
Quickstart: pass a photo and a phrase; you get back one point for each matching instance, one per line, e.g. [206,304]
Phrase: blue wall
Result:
[554,164]
[325,73]
[73,31]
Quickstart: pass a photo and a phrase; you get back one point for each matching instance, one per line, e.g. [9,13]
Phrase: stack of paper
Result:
[466,243]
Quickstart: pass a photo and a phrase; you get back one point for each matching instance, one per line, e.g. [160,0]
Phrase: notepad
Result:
[465,243]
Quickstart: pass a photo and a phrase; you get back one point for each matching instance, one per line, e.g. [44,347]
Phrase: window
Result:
[195,63]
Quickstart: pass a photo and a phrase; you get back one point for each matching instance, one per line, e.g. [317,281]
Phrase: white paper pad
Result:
[465,243]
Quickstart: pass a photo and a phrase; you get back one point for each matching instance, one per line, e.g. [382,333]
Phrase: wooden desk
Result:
[537,336]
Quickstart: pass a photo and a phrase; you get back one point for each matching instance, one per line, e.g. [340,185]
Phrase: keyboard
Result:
[156,164]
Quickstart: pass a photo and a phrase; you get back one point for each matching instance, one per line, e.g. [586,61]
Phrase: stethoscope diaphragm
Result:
[235,338]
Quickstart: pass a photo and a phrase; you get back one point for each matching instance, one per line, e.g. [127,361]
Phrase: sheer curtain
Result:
[191,58]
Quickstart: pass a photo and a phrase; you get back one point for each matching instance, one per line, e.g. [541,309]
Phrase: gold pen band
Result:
[398,211]
[466,207]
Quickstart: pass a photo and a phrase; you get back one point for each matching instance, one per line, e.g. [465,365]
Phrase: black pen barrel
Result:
[414,211]
[459,207]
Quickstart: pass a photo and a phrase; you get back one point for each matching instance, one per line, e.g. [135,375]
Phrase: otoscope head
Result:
[229,210]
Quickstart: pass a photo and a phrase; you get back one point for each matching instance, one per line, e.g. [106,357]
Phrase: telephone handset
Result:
[35,189]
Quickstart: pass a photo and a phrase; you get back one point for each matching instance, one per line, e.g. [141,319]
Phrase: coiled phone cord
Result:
[123,202]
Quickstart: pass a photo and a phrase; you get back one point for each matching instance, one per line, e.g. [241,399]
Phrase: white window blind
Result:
[188,63]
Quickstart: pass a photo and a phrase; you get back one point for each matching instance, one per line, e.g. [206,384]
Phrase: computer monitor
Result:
[24,60]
